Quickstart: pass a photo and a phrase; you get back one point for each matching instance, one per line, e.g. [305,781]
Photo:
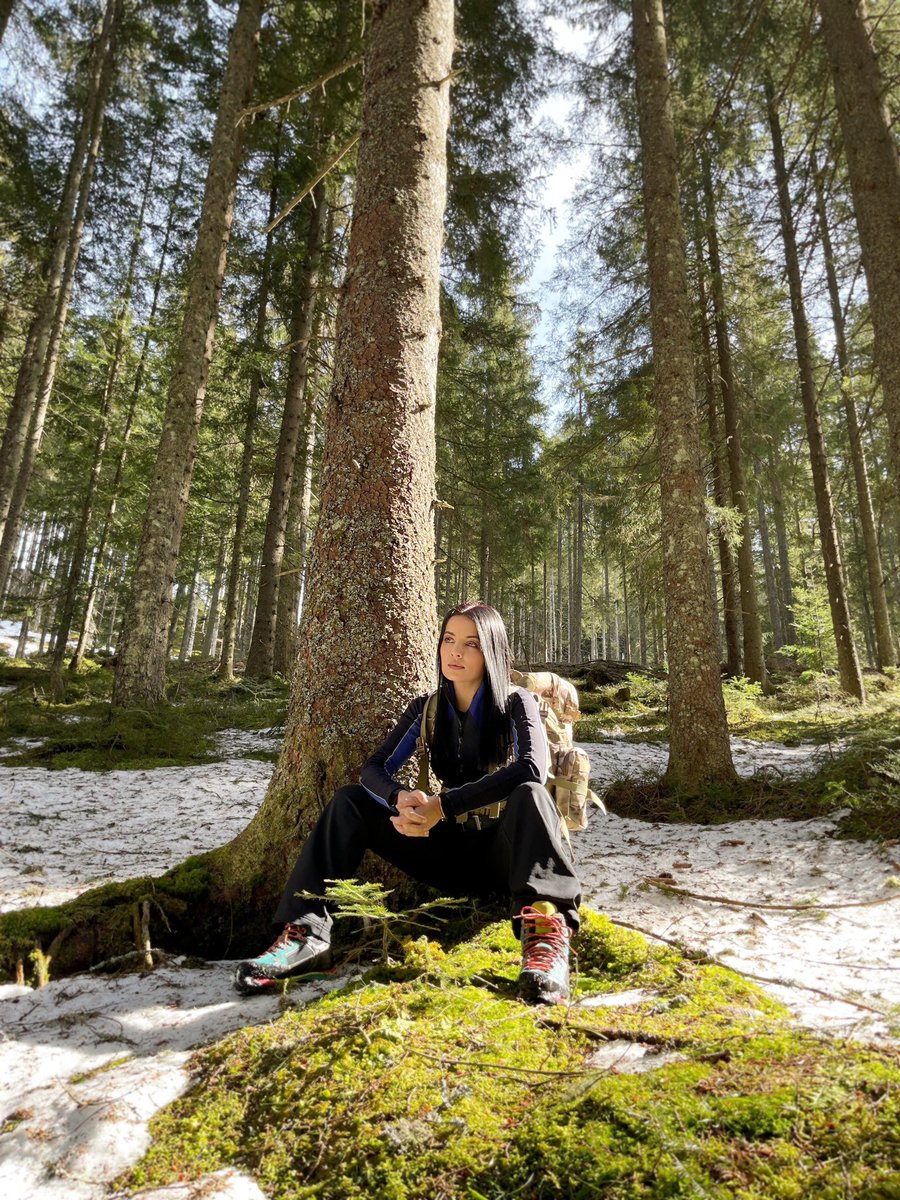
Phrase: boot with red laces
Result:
[296,951]
[544,977]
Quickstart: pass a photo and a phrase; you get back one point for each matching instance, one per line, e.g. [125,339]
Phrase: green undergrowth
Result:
[809,707]
[84,731]
[428,1078]
[860,778]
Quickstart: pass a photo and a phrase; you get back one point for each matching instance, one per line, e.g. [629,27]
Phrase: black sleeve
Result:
[528,766]
[377,776]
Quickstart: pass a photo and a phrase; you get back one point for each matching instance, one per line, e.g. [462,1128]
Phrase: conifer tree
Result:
[141,666]
[699,747]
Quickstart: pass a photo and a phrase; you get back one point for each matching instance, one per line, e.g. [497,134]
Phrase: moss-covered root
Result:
[431,1080]
[176,910]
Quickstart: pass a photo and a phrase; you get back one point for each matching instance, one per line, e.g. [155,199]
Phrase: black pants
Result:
[523,855]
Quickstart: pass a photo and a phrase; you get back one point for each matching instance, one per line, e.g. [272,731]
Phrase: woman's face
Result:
[461,657]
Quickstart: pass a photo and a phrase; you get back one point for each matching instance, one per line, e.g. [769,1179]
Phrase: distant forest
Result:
[177,187]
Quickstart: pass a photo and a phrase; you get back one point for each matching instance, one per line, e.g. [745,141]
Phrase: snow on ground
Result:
[67,1136]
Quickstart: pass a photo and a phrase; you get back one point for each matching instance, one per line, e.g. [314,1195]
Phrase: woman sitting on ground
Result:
[490,753]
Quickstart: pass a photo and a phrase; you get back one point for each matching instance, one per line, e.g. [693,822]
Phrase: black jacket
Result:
[466,786]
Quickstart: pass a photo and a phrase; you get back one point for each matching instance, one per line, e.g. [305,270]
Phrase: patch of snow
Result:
[86,1062]
[64,830]
[616,759]
[618,999]
[232,743]
[631,1058]
[123,823]
[851,952]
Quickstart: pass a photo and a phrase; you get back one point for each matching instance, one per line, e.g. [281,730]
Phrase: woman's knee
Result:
[533,797]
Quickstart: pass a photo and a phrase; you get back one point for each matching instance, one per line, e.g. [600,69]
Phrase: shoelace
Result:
[546,940]
[291,933]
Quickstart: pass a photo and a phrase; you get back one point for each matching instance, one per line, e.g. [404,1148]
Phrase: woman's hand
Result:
[417,813]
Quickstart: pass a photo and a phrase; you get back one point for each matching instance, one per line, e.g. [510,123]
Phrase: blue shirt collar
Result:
[475,708]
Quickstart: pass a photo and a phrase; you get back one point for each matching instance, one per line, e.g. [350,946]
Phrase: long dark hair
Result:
[496,731]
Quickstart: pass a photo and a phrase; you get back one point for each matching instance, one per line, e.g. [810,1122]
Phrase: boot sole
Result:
[257,985]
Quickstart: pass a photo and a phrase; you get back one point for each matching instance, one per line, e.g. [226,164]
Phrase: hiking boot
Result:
[295,951]
[544,977]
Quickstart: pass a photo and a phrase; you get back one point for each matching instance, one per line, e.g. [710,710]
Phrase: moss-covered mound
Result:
[429,1079]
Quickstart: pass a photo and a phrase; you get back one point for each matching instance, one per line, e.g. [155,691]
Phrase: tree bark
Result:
[245,477]
[261,656]
[885,649]
[211,625]
[874,166]
[369,623]
[141,668]
[699,748]
[769,567]
[754,662]
[730,598]
[848,662]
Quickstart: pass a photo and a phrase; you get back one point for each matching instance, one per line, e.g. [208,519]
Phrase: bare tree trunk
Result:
[848,663]
[211,627]
[245,478]
[731,607]
[769,566]
[87,624]
[885,649]
[786,592]
[699,749]
[261,656]
[141,669]
[290,590]
[193,607]
[874,166]
[80,534]
[754,662]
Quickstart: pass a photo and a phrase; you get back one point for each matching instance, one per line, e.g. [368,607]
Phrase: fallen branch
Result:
[703,959]
[491,1066]
[665,886]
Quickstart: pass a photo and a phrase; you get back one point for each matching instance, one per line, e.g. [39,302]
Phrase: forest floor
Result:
[789,902]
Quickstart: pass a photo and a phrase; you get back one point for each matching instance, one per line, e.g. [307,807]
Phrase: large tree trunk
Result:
[848,662]
[871,148]
[754,662]
[885,651]
[261,656]
[369,623]
[699,747]
[141,668]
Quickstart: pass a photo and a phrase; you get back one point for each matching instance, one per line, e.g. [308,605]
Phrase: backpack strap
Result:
[425,738]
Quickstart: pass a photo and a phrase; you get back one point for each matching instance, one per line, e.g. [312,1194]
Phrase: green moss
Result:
[84,731]
[429,1079]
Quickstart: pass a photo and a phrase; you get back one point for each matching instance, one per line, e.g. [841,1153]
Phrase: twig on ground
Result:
[665,886]
[703,958]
